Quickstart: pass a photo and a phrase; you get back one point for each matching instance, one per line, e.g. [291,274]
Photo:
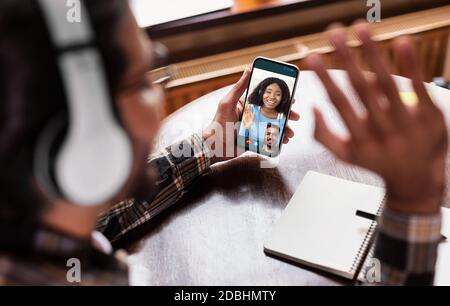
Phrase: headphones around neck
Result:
[91,161]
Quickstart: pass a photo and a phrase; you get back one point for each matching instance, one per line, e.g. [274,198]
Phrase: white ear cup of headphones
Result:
[95,159]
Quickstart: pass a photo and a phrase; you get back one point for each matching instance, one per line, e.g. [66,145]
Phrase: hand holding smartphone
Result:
[267,105]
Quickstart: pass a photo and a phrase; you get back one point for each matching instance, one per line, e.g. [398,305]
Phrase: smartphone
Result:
[268,101]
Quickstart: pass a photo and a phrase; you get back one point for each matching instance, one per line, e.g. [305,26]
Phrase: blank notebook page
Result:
[319,226]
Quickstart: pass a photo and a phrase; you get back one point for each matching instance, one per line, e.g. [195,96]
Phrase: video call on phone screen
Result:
[266,108]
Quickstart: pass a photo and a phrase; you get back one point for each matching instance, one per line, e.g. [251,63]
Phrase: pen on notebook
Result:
[373,217]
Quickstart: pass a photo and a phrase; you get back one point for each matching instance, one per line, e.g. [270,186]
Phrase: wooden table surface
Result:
[215,234]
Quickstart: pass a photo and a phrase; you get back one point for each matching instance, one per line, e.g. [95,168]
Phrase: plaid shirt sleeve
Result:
[176,167]
[406,246]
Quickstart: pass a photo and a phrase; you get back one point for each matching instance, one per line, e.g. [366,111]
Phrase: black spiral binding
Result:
[365,247]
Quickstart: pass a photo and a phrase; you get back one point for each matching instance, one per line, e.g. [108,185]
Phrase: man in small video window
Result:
[271,138]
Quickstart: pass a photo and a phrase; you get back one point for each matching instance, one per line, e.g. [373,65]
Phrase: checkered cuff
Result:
[411,228]
[202,152]
[407,247]
[190,159]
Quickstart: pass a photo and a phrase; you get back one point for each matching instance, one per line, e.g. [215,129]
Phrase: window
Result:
[148,13]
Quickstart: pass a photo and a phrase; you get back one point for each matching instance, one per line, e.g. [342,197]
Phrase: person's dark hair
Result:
[256,97]
[31,92]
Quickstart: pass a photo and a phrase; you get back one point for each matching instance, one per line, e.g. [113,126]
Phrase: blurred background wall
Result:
[211,44]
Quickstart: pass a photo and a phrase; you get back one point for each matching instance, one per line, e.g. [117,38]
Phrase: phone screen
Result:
[267,105]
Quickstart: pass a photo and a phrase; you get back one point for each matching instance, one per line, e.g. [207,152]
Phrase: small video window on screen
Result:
[266,109]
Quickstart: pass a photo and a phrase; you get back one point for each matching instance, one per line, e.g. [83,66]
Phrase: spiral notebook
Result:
[319,228]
